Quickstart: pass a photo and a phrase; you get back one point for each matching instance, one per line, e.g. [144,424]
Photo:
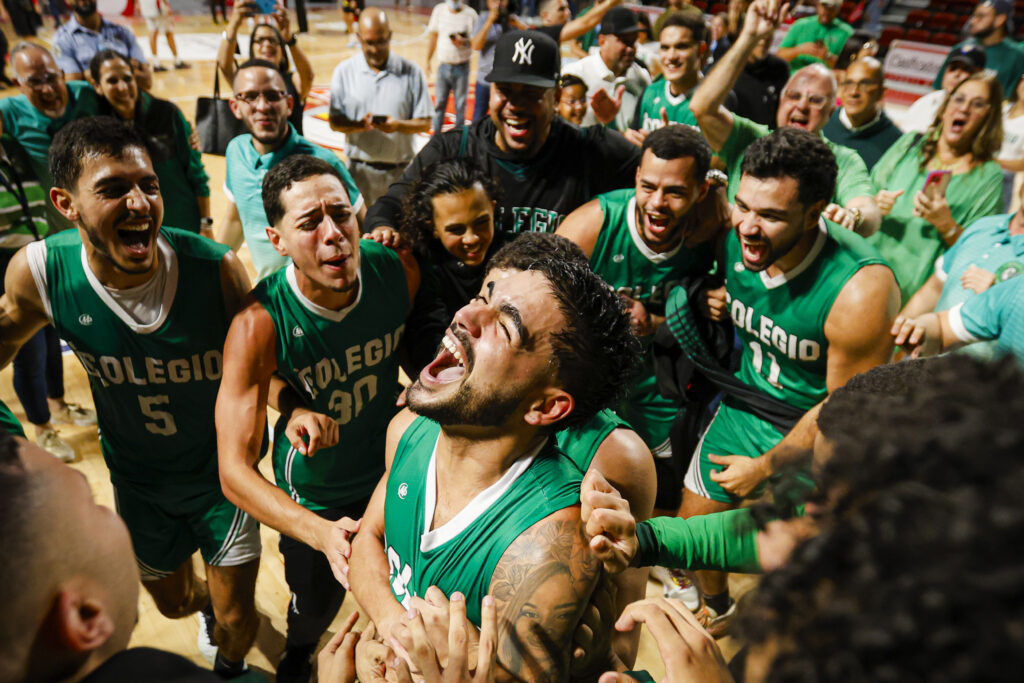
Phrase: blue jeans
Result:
[451,78]
[481,100]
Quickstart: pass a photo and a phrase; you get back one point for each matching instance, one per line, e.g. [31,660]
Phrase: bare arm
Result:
[230,230]
[541,585]
[583,225]
[478,40]
[708,103]
[226,51]
[924,299]
[234,282]
[431,46]
[22,313]
[926,335]
[870,215]
[580,25]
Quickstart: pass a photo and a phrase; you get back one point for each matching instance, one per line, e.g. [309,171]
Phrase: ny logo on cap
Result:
[524,51]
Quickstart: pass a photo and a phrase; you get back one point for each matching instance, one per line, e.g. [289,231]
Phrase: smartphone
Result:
[266,6]
[936,183]
[378,119]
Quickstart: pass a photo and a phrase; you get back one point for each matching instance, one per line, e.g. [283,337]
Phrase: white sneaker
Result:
[204,638]
[678,586]
[73,414]
[50,441]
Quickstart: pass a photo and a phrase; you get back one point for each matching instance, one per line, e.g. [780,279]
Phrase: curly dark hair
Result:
[91,137]
[916,575]
[677,141]
[597,352]
[528,247]
[293,169]
[798,154]
[447,176]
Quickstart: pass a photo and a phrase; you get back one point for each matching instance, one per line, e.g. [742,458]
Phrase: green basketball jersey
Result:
[781,320]
[659,96]
[580,443]
[154,386]
[462,554]
[344,364]
[8,422]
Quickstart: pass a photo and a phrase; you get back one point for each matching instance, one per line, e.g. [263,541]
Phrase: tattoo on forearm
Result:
[541,586]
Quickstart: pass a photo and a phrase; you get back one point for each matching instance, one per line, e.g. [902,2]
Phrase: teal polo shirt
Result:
[34,130]
[243,185]
[997,313]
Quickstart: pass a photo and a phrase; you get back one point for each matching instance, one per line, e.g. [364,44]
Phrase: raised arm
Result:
[226,51]
[541,586]
[230,230]
[302,66]
[580,25]
[708,103]
[22,312]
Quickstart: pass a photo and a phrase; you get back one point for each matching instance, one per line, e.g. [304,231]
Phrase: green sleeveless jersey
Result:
[781,320]
[345,365]
[580,443]
[659,96]
[154,386]
[625,261]
[462,554]
[8,422]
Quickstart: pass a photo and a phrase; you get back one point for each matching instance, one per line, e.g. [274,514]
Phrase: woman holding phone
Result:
[270,41]
[931,186]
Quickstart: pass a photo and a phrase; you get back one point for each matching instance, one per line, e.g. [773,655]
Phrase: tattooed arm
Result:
[541,586]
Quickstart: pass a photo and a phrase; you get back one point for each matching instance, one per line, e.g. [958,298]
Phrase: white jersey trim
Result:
[317,309]
[638,241]
[956,324]
[35,253]
[432,539]
[783,278]
[168,262]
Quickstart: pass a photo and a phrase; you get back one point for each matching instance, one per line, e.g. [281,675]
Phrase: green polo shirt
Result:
[809,30]
[1005,58]
[243,185]
[853,179]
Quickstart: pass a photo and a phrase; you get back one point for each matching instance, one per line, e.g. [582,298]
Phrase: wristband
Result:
[291,41]
[949,233]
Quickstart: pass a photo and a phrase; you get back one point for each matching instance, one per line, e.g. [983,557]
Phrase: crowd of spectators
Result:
[783,249]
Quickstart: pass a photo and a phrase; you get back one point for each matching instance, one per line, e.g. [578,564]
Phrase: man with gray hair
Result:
[807,102]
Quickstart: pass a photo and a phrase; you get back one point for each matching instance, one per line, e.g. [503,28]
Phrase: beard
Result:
[467,407]
[101,248]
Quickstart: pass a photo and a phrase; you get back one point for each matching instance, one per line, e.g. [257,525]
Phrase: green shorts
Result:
[166,533]
[732,432]
[650,415]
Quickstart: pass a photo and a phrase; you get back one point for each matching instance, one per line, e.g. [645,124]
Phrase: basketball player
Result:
[477,497]
[146,310]
[329,324]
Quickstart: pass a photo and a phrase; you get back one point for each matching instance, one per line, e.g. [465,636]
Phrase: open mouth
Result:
[449,365]
[657,224]
[136,238]
[755,252]
[958,125]
[336,264]
[799,120]
[517,129]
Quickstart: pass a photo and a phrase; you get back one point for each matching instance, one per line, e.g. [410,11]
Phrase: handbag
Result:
[215,121]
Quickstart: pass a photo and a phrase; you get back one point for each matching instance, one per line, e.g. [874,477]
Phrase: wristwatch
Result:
[206,222]
[291,41]
[716,176]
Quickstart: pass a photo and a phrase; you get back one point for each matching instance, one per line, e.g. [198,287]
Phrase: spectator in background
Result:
[989,28]
[24,18]
[497,19]
[270,42]
[990,251]
[379,100]
[962,62]
[183,179]
[816,40]
[448,33]
[919,226]
[861,122]
[760,84]
[157,14]
[572,99]
[718,42]
[684,7]
[615,83]
[647,48]
[76,42]
[4,80]
[1011,154]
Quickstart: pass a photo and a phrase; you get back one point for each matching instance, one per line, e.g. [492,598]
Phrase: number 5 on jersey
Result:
[162,421]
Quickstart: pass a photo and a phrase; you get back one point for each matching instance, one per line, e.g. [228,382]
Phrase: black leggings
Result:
[316,594]
[214,4]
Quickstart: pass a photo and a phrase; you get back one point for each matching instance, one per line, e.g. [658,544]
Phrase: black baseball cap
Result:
[619,20]
[527,57]
[971,56]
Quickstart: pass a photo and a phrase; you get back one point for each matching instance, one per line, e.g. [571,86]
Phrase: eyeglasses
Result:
[859,85]
[974,105]
[36,82]
[252,96]
[815,101]
[266,39]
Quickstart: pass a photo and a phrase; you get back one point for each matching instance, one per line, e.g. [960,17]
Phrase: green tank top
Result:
[781,320]
[345,365]
[154,386]
[625,261]
[658,96]
[580,443]
[8,422]
[462,554]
